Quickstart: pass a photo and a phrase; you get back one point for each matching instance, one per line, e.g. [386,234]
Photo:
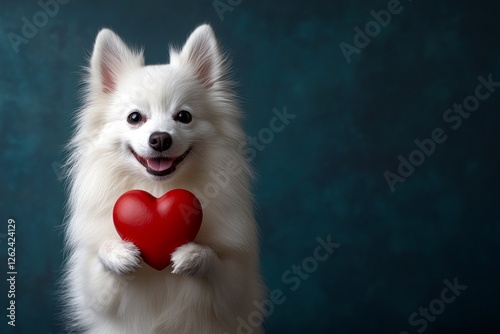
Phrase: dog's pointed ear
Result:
[110,58]
[201,52]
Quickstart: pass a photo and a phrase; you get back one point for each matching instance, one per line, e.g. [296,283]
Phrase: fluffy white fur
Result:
[213,280]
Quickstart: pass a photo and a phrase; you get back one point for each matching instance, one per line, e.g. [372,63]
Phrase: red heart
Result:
[157,226]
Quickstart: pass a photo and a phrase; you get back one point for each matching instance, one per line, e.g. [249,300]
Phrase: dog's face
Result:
[157,117]
[164,116]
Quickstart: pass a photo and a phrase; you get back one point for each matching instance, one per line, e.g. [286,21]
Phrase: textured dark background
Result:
[322,175]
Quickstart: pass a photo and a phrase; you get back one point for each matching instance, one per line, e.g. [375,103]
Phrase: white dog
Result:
[158,128]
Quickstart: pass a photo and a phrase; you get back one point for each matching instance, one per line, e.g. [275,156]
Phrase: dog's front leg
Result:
[108,274]
[193,259]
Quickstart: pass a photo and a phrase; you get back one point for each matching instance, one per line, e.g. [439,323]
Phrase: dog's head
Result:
[157,117]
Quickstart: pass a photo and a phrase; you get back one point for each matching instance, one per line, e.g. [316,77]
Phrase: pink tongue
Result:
[159,165]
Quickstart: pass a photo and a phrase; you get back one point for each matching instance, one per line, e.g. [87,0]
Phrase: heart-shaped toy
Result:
[157,226]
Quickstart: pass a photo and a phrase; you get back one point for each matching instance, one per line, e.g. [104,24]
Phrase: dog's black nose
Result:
[160,141]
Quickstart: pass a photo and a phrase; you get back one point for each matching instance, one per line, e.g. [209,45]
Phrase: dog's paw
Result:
[192,260]
[120,257]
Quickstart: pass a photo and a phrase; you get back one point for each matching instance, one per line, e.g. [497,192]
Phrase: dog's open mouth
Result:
[162,166]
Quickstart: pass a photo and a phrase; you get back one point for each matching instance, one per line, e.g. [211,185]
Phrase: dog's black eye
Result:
[134,117]
[184,116]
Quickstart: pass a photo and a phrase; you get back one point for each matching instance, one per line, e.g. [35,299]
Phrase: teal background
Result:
[322,175]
